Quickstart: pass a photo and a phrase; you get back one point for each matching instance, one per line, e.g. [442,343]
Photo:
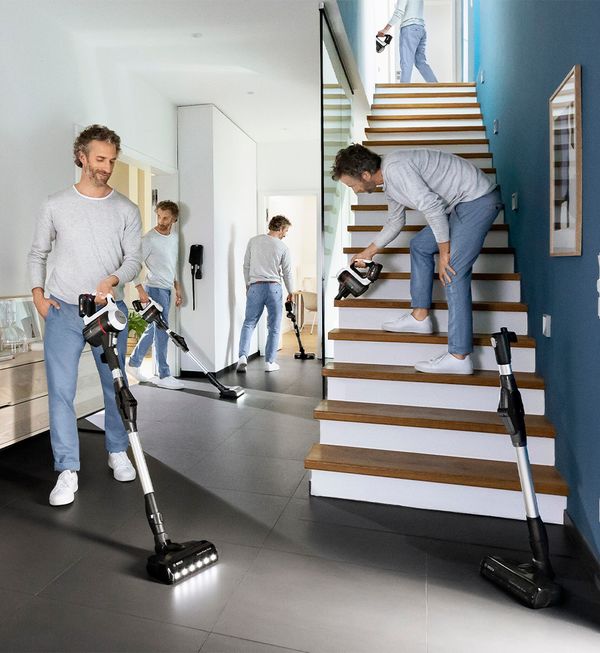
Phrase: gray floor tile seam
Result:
[122,613]
[60,574]
[263,457]
[255,641]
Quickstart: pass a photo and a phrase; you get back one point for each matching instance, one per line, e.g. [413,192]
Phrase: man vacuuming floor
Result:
[460,205]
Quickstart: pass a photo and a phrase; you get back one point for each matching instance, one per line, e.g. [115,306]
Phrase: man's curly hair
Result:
[168,205]
[94,133]
[354,160]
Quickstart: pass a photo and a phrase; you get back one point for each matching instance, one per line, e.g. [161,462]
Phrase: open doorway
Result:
[301,211]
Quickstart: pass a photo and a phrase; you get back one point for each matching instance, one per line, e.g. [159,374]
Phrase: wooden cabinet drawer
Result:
[21,420]
[22,382]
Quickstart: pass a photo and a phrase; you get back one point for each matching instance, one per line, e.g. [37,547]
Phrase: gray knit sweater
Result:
[90,239]
[429,181]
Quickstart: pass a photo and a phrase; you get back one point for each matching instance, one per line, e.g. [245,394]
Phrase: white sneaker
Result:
[65,488]
[408,324]
[136,373]
[242,364]
[446,364]
[169,382]
[271,367]
[122,468]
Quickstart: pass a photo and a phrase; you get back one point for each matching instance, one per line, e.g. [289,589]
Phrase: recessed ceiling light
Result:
[197,35]
[250,92]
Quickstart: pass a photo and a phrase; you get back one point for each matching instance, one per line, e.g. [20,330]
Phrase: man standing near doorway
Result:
[95,235]
[160,248]
[267,260]
[460,205]
[413,39]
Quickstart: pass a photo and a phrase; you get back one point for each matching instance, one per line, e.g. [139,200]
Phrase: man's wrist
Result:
[113,280]
[37,292]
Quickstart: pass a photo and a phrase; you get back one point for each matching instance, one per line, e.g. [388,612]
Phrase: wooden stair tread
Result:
[427,116]
[406,250]
[359,302]
[438,338]
[478,276]
[415,130]
[464,155]
[427,95]
[419,85]
[410,227]
[487,378]
[436,469]
[428,105]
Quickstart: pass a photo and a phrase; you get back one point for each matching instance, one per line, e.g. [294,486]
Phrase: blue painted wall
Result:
[351,15]
[526,47]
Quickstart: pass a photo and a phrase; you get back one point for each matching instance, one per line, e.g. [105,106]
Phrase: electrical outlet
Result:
[514,203]
[546,325]
[496,126]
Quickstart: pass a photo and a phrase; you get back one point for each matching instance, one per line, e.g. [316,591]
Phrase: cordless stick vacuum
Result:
[171,562]
[291,315]
[151,312]
[530,583]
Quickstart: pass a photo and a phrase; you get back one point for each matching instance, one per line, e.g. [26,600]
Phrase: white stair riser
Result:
[483,321]
[429,88]
[484,262]
[364,238]
[435,395]
[475,121]
[408,353]
[336,101]
[462,444]
[428,135]
[452,148]
[377,99]
[399,110]
[380,217]
[482,291]
[433,496]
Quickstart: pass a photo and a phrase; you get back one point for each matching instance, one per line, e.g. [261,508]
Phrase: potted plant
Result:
[136,326]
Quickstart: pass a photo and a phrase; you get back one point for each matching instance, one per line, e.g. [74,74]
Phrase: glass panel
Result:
[19,324]
[336,133]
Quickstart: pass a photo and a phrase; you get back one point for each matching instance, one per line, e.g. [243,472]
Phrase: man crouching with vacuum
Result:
[95,234]
[460,205]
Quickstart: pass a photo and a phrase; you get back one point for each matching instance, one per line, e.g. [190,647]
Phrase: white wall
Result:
[52,82]
[217,193]
[290,166]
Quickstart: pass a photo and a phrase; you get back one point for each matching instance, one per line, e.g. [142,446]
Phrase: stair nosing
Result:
[406,250]
[357,228]
[359,302]
[377,335]
[407,373]
[465,469]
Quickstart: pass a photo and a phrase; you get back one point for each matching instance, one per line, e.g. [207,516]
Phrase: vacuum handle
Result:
[501,344]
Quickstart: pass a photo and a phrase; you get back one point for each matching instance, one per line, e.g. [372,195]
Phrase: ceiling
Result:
[256,60]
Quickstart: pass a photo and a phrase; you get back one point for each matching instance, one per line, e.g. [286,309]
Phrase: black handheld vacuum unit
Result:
[381,42]
[151,312]
[356,280]
[530,583]
[291,315]
[172,562]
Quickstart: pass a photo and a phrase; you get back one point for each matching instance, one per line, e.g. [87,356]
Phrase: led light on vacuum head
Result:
[178,562]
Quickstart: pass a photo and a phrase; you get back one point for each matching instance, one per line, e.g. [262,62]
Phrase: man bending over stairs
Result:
[460,205]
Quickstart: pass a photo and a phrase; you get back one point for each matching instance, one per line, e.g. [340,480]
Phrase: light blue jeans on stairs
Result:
[469,224]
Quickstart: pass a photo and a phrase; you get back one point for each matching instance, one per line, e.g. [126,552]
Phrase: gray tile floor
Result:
[296,573]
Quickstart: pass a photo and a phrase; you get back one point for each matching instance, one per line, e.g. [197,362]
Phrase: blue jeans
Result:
[63,344]
[258,296]
[469,224]
[153,334]
[413,39]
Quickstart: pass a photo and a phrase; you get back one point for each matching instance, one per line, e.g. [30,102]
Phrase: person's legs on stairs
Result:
[409,40]
[421,60]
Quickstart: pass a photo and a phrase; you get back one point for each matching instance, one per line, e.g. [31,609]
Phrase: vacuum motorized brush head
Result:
[178,562]
[232,392]
[529,585]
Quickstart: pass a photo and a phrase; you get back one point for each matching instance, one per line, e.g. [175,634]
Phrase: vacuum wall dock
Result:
[531,583]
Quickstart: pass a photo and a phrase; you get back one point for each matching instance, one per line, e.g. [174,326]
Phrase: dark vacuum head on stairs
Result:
[177,562]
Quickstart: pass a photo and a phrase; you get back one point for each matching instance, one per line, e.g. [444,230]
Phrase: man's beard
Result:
[97,177]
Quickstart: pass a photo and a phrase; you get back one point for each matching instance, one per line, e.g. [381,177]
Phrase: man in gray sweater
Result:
[95,236]
[460,205]
[266,261]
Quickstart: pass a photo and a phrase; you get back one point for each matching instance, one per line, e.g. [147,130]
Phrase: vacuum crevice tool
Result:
[151,312]
[532,583]
[171,562]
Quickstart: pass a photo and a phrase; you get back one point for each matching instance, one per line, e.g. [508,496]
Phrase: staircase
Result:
[389,434]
